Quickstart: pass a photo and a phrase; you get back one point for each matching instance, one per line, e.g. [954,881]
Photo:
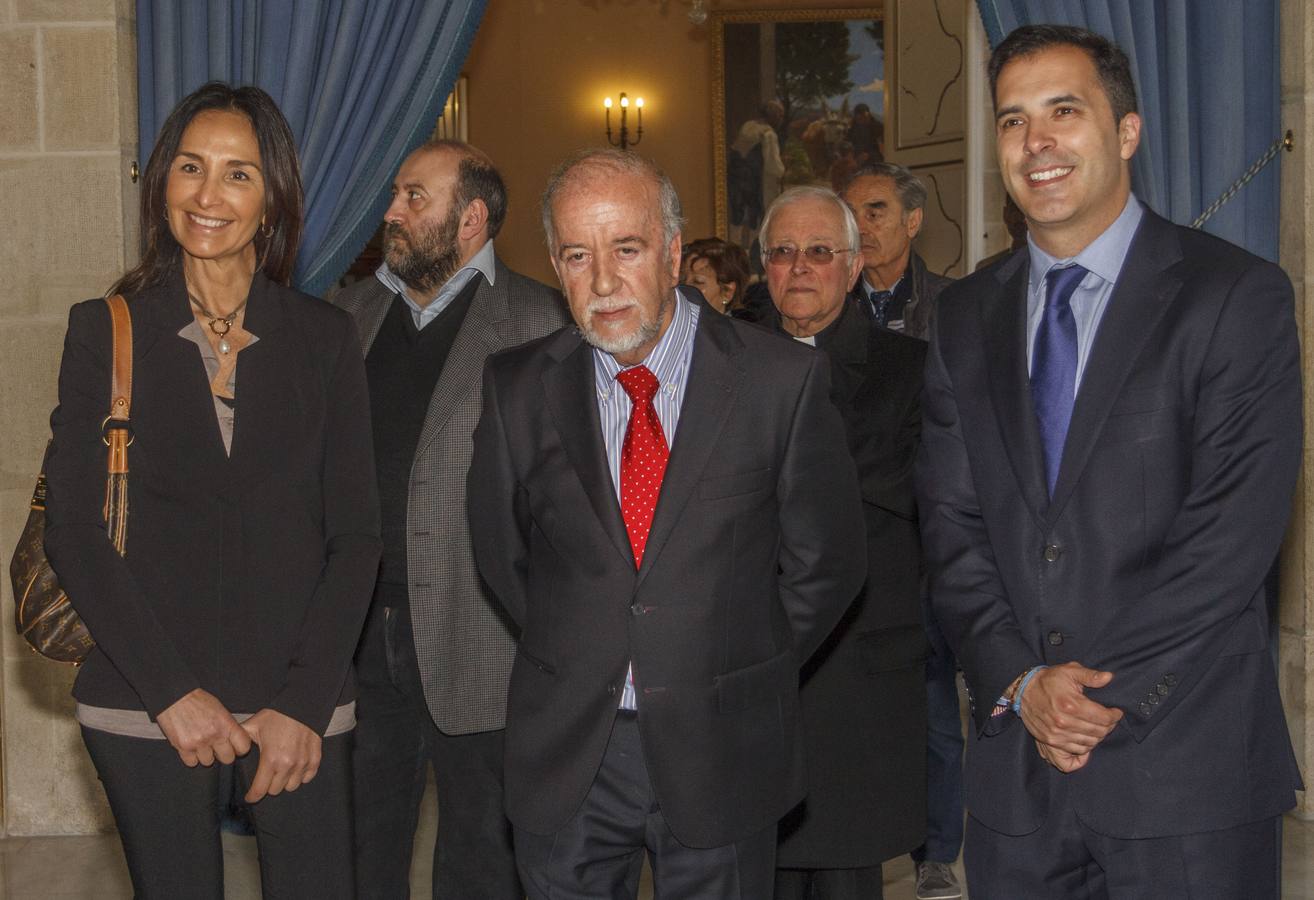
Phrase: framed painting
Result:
[798,98]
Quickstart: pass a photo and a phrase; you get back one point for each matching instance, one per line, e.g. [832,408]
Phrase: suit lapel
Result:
[158,314]
[713,383]
[370,311]
[484,331]
[267,403]
[849,348]
[1139,299]
[568,389]
[1004,321]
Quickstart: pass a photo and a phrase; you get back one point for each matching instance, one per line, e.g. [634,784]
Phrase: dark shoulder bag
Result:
[42,613]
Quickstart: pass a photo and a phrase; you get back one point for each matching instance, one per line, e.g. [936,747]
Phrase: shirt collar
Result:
[868,290]
[1104,256]
[484,261]
[667,356]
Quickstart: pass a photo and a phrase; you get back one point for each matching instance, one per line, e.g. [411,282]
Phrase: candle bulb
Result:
[626,137]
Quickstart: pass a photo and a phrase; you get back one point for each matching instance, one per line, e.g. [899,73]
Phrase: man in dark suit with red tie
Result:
[1110,440]
[662,499]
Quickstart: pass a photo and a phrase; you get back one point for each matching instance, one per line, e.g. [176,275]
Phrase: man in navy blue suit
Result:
[1111,436]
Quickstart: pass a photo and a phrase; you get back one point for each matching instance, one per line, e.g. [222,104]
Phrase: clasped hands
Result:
[202,731]
[1066,724]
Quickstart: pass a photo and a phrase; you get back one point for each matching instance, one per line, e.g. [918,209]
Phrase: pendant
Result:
[224,346]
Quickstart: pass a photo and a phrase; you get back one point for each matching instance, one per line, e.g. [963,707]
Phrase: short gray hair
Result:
[911,191]
[623,163]
[811,192]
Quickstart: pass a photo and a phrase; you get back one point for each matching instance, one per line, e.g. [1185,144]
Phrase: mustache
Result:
[606,306]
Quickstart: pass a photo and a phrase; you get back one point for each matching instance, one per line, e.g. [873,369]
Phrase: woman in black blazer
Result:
[224,636]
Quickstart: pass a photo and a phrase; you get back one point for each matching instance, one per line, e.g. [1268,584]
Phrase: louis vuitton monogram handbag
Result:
[42,612]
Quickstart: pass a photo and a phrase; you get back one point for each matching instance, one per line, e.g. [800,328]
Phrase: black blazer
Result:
[1171,501]
[246,576]
[864,692]
[755,550]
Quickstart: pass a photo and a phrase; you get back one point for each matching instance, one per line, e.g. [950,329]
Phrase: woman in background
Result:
[719,269]
[225,634]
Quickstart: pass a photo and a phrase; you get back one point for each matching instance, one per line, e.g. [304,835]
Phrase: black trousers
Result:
[830,884]
[1065,858]
[598,854]
[396,743]
[168,819]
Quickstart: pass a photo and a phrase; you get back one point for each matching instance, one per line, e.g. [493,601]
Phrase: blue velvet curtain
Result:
[1207,76]
[361,82]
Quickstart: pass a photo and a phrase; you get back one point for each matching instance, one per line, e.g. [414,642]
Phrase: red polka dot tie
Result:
[643,457]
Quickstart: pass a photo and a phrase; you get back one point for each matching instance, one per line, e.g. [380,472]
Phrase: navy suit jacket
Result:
[1150,560]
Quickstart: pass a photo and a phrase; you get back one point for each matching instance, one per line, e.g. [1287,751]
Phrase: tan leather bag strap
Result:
[116,432]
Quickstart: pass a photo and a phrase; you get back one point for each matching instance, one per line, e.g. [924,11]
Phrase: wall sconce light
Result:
[625,142]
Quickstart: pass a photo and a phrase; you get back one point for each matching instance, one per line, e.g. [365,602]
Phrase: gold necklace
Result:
[220,325]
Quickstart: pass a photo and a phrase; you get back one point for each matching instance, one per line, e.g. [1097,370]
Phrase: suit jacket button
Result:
[1170,679]
[1146,708]
[637,608]
[1153,699]
[1055,638]
[1053,552]
[1162,690]
[611,690]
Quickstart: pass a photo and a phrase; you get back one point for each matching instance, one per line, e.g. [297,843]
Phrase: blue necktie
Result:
[1054,366]
[878,307]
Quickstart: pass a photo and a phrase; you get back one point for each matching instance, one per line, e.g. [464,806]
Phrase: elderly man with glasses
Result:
[863,693]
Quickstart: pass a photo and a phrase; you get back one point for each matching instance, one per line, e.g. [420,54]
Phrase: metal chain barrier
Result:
[1288,141]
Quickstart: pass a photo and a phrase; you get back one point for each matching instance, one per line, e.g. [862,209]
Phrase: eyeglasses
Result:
[816,254]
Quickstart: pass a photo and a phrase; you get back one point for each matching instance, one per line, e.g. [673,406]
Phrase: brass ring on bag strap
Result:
[105,429]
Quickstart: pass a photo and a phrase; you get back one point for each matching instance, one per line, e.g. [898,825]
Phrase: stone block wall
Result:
[67,136]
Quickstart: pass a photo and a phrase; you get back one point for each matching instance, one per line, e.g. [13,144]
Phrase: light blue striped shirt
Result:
[1103,259]
[669,361]
[482,263]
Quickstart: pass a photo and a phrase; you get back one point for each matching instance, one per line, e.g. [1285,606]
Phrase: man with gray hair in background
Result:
[898,293]
[896,290]
[863,696]
[661,499]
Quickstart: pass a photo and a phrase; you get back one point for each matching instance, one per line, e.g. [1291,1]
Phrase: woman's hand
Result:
[202,730]
[289,754]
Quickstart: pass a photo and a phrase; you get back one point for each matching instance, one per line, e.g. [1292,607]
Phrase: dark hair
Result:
[160,252]
[1110,62]
[476,179]
[728,262]
[911,191]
